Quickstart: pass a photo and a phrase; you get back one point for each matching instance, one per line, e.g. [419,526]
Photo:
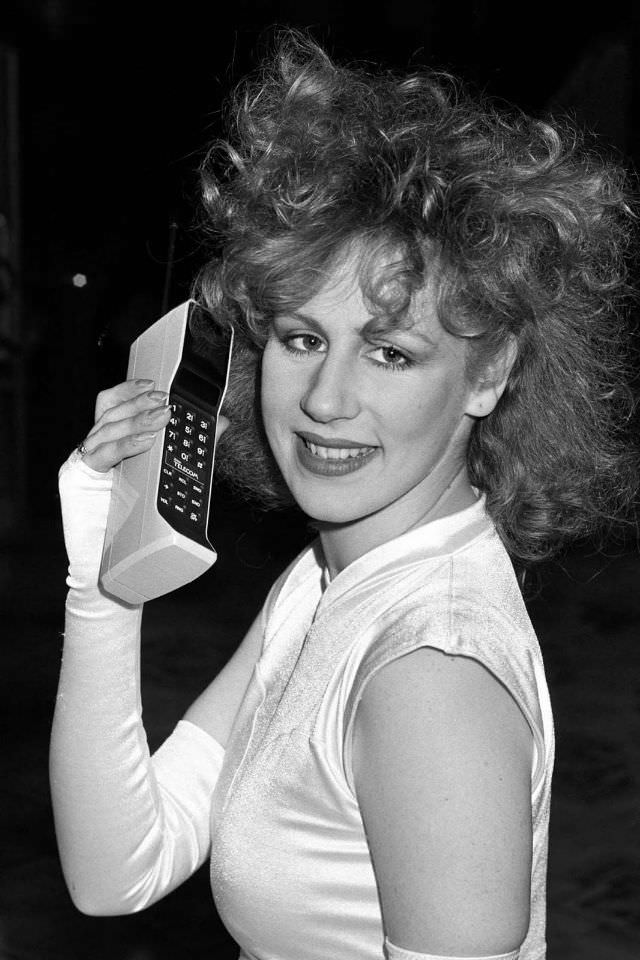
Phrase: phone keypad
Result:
[186,470]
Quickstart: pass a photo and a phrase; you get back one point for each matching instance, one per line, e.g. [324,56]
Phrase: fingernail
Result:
[157,412]
[143,383]
[158,395]
[142,437]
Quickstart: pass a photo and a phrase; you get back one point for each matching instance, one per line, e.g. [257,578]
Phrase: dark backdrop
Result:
[117,103]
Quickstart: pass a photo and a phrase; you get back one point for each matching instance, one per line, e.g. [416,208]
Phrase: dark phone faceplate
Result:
[195,394]
[202,374]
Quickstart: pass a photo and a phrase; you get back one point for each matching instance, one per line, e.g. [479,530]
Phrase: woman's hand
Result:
[128,417]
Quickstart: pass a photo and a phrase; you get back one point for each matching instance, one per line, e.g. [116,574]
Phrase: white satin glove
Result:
[129,828]
[84,498]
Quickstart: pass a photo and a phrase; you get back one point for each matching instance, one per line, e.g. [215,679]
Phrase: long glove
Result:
[130,828]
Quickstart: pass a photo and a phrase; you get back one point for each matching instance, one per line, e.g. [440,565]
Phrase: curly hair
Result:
[526,230]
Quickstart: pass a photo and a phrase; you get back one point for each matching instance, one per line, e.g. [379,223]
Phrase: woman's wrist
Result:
[84,500]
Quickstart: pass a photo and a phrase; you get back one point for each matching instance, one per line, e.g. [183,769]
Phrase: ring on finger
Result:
[82,450]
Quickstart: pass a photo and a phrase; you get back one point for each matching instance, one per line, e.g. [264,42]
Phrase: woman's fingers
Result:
[109,455]
[129,407]
[121,393]
[113,440]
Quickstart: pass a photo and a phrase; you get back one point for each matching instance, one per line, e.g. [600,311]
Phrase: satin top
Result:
[291,871]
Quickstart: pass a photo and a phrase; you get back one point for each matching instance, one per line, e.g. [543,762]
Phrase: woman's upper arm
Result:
[442,769]
[216,707]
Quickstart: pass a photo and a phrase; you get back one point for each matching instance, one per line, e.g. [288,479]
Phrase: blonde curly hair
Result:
[526,229]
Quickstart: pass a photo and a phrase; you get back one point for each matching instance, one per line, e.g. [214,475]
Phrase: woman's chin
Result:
[327,513]
[329,518]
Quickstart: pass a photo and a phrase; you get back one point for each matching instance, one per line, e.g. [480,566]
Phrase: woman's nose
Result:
[331,391]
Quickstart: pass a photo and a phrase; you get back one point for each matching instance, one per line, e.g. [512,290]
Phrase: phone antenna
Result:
[173,230]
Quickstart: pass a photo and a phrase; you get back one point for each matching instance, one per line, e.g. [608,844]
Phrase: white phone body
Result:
[156,538]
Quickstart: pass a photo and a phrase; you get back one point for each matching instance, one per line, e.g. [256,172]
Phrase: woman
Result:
[427,300]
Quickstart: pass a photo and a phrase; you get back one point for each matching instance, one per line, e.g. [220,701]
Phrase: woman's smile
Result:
[332,457]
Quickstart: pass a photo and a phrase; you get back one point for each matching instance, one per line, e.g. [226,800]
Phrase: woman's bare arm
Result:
[442,768]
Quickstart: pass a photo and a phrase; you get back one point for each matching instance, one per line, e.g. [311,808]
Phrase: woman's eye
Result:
[304,343]
[391,357]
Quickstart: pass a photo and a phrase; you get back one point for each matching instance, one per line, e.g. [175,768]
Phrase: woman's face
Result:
[357,421]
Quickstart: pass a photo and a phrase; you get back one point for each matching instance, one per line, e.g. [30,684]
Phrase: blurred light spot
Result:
[79,280]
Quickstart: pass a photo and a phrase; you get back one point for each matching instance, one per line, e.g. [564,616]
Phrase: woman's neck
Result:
[344,543]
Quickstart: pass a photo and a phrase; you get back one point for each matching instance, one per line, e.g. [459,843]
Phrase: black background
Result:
[119,100]
[117,104]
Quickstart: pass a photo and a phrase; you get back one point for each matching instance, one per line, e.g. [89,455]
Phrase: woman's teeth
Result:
[337,453]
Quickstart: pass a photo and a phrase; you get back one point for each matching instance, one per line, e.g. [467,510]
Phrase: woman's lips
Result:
[332,460]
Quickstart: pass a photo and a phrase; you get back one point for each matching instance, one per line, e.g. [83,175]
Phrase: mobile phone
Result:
[157,529]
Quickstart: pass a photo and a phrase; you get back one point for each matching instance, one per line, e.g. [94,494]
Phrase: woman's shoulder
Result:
[473,617]
[472,596]
[492,630]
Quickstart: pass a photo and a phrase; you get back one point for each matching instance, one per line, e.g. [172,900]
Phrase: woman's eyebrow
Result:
[375,327]
[424,336]
[372,327]
[300,317]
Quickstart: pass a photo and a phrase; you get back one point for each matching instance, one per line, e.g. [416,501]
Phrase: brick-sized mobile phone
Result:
[157,530]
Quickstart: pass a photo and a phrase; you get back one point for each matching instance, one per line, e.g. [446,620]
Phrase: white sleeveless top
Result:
[291,871]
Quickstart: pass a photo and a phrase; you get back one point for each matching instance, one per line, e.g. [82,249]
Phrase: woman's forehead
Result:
[378,281]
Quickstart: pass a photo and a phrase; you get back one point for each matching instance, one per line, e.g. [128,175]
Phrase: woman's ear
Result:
[489,386]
